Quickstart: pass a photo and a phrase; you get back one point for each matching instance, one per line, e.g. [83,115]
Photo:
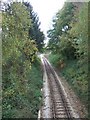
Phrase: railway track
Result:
[60,107]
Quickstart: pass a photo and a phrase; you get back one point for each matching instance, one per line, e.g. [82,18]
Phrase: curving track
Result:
[57,105]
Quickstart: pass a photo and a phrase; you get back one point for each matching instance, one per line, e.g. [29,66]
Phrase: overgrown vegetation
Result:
[69,45]
[22,99]
[21,72]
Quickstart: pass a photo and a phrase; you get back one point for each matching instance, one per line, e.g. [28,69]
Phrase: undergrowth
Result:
[22,99]
[76,76]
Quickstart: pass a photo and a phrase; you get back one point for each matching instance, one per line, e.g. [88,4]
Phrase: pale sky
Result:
[46,10]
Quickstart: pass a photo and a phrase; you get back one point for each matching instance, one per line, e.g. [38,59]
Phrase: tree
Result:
[59,34]
[34,31]
[19,51]
[69,41]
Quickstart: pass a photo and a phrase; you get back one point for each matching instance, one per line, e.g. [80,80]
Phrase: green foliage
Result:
[61,24]
[54,58]
[66,47]
[77,79]
[34,31]
[21,91]
[70,45]
[79,31]
[22,98]
[15,26]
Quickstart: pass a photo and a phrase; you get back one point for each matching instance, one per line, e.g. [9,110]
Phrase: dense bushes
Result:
[22,96]
[21,74]
[71,48]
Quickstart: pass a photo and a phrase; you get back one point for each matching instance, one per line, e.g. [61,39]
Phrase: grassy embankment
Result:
[74,76]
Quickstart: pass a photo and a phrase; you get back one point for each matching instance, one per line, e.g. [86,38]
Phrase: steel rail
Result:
[54,85]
